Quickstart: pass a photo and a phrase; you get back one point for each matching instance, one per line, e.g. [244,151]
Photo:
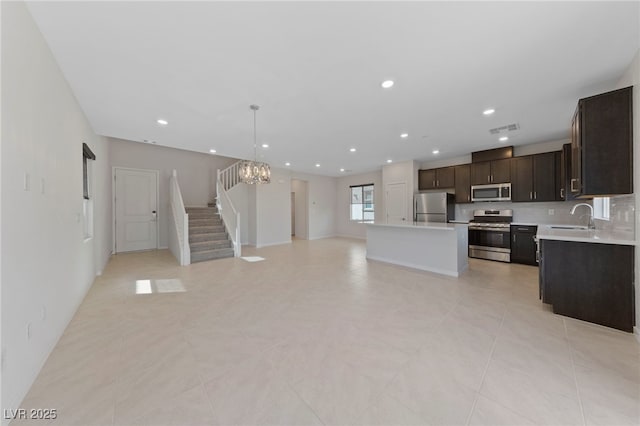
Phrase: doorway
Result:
[299,209]
[135,207]
[293,214]
[396,202]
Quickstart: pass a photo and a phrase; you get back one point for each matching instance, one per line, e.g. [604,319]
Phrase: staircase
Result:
[208,238]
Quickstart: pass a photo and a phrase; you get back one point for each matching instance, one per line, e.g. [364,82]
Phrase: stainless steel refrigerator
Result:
[433,207]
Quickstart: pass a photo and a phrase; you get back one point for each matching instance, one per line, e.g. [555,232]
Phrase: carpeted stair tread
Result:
[209,245]
[201,256]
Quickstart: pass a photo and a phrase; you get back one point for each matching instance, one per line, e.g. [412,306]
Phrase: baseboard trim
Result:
[322,237]
[163,248]
[414,266]
[274,244]
[355,237]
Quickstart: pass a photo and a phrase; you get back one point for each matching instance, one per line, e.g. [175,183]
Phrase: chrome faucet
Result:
[591,225]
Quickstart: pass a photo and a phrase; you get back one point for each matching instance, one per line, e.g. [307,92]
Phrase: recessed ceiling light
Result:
[387,84]
[389,160]
[488,111]
[213,151]
[404,135]
[317,165]
[435,151]
[342,170]
[265,145]
[162,122]
[504,138]
[352,150]
[287,164]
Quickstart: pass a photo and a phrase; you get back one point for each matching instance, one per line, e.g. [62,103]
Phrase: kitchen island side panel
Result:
[440,249]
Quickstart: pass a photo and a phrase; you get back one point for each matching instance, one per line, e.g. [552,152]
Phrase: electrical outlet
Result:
[552,212]
[29,331]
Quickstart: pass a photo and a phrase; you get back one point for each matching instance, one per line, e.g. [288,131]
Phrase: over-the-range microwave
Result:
[491,192]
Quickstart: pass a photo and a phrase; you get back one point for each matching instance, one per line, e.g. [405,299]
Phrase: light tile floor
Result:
[315,334]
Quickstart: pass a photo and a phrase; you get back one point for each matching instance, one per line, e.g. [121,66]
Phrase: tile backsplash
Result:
[622,214]
[557,212]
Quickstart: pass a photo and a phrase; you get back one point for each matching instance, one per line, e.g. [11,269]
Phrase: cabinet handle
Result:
[437,183]
[535,195]
[433,184]
[572,188]
[561,192]
[530,195]
[489,179]
[514,238]
[468,197]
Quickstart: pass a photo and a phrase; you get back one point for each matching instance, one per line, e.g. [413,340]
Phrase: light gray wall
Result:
[196,174]
[46,261]
[321,192]
[344,225]
[274,210]
[518,150]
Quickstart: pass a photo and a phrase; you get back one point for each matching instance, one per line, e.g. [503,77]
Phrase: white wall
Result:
[46,261]
[345,227]
[273,202]
[322,204]
[299,187]
[632,77]
[239,196]
[196,174]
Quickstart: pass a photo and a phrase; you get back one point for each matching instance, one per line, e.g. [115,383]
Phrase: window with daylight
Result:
[87,202]
[601,208]
[362,205]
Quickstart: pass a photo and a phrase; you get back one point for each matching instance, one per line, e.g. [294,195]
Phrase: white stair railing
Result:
[179,233]
[229,177]
[228,212]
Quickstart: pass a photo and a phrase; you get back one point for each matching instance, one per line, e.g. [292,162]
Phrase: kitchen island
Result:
[434,247]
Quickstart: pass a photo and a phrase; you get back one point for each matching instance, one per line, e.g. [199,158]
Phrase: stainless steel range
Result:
[490,235]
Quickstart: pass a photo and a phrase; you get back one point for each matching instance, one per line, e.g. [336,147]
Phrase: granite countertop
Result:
[547,232]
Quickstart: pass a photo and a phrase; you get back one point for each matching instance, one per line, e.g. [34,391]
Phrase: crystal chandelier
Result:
[254,171]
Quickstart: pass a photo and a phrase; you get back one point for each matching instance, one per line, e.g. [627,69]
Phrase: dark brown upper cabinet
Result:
[496,171]
[463,183]
[602,145]
[533,177]
[522,178]
[564,180]
[436,178]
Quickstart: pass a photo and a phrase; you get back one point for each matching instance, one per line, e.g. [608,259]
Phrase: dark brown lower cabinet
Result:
[523,245]
[589,281]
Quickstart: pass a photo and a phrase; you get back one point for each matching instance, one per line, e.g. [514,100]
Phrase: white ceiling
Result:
[315,69]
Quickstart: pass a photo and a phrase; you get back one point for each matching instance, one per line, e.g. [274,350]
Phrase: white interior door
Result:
[136,207]
[396,202]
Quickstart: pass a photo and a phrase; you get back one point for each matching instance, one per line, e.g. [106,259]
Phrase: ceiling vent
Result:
[504,129]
